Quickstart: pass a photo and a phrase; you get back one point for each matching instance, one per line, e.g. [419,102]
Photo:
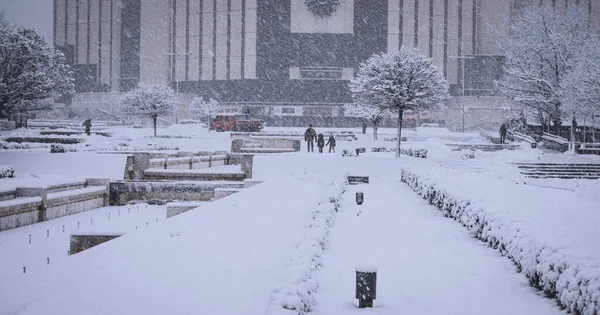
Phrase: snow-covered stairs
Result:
[560,170]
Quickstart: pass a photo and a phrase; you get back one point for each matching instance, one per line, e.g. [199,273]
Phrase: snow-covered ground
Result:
[240,254]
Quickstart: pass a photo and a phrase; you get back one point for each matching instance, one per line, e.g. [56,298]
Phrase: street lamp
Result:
[174,69]
[462,99]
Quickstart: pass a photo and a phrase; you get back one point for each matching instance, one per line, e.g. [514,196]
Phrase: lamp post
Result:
[462,99]
[174,73]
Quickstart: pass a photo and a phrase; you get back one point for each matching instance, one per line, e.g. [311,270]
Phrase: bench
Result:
[524,138]
[555,142]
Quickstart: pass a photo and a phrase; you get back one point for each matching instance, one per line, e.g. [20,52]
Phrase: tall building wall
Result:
[274,51]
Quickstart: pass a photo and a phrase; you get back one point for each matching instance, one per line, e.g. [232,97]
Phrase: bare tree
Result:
[399,81]
[375,114]
[543,46]
[150,101]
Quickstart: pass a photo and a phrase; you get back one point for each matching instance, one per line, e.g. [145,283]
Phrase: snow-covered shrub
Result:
[296,295]
[420,153]
[6,171]
[21,146]
[56,148]
[574,283]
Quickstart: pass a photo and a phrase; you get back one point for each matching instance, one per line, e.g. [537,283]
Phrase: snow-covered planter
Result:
[296,295]
[6,171]
[58,148]
[420,153]
[573,282]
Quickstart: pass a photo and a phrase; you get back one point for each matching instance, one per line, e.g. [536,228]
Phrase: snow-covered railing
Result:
[523,137]
[574,283]
[296,295]
[555,142]
[493,137]
[193,162]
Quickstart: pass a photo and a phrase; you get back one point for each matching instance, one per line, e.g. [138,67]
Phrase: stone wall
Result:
[30,205]
[122,192]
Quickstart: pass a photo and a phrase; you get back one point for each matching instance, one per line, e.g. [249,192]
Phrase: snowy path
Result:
[223,258]
[427,264]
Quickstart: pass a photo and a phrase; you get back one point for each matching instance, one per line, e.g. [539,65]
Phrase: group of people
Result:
[310,135]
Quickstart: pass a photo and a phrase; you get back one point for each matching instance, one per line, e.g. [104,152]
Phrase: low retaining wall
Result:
[31,205]
[267,144]
[177,208]
[574,283]
[81,242]
[122,192]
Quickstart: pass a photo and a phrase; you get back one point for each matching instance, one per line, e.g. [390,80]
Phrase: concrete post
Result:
[35,192]
[236,145]
[366,286]
[247,162]
[100,182]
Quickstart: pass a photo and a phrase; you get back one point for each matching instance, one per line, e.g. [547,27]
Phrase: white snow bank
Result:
[296,295]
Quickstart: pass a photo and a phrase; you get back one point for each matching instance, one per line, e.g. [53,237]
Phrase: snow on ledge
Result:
[366,268]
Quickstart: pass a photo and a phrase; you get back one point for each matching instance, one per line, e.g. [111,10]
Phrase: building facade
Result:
[279,57]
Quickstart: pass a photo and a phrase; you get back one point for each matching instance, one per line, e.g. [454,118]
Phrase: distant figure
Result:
[331,143]
[309,136]
[364,127]
[502,133]
[88,126]
[320,142]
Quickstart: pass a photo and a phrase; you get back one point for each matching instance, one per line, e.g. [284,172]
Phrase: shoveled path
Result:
[427,264]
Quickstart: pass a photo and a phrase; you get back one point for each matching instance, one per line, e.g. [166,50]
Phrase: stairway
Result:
[560,170]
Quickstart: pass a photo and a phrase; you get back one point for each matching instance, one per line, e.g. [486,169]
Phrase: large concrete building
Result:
[279,57]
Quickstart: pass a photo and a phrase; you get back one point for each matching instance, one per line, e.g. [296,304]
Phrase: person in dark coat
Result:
[310,136]
[320,142]
[502,133]
[331,143]
[88,126]
[364,127]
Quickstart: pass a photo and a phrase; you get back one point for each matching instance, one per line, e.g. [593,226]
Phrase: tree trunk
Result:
[400,114]
[154,117]
[572,133]
[375,127]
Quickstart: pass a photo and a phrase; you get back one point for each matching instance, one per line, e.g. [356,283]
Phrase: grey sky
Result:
[30,13]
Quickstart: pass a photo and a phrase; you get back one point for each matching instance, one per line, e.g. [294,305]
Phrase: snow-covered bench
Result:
[188,163]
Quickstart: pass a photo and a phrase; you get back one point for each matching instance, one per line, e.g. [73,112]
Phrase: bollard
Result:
[119,213]
[366,286]
[156,220]
[128,210]
[360,197]
[47,260]
[146,224]
[109,216]
[63,227]
[29,238]
[78,225]
[91,221]
[24,269]
[48,233]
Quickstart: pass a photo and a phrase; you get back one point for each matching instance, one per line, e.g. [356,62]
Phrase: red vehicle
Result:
[235,122]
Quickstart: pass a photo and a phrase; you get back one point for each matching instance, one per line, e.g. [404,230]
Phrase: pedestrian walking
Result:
[331,143]
[502,133]
[310,136]
[320,142]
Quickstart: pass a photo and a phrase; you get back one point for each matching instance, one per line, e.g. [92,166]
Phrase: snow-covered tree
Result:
[543,46]
[400,81]
[31,73]
[375,114]
[150,101]
[203,108]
